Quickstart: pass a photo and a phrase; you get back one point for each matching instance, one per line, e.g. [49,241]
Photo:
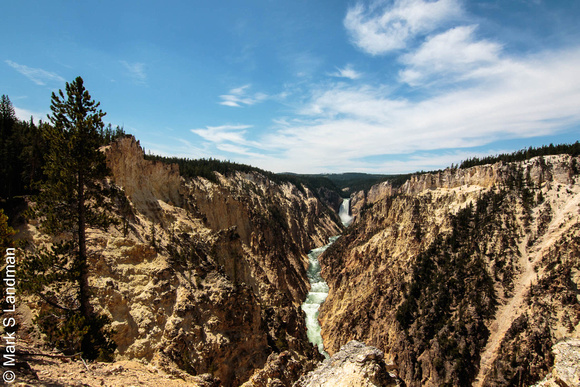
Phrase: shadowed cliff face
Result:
[461,277]
[208,277]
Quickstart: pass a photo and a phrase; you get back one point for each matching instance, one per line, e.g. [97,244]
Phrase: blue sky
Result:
[383,86]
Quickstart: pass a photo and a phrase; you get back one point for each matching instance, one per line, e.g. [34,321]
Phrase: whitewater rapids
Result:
[318,287]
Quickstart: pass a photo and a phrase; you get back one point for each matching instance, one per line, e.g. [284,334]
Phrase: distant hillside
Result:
[352,182]
[346,183]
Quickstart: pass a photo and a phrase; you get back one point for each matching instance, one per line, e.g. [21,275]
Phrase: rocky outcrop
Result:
[376,192]
[355,365]
[566,370]
[201,276]
[281,369]
[144,182]
[461,276]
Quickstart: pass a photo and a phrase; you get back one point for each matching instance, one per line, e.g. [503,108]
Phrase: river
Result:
[318,287]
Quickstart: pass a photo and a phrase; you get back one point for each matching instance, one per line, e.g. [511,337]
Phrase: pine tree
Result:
[32,155]
[8,151]
[72,198]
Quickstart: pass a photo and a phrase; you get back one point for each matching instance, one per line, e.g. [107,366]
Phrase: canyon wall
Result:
[202,277]
[465,276]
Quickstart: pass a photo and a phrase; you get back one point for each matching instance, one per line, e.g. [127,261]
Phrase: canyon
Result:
[457,277]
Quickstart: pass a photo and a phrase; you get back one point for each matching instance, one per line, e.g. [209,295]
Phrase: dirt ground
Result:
[51,369]
[72,372]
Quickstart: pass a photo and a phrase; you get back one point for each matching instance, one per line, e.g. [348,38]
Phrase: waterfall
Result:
[344,212]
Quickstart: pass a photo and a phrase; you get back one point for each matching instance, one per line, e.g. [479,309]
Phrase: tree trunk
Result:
[83,279]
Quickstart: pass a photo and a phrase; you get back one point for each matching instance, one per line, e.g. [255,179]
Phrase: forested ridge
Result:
[524,154]
[343,184]
[207,168]
[23,149]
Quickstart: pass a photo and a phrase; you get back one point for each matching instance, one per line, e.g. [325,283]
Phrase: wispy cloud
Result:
[385,26]
[304,64]
[467,92]
[25,114]
[178,147]
[347,72]
[39,76]
[454,54]
[239,97]
[230,139]
[223,133]
[240,150]
[137,71]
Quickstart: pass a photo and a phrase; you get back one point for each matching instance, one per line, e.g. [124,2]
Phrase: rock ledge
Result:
[356,364]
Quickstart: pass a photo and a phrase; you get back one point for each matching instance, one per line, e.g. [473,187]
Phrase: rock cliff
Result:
[465,276]
[205,277]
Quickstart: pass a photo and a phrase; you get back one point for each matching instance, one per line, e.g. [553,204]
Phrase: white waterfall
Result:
[344,212]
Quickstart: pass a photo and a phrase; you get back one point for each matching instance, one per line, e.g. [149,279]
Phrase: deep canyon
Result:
[459,277]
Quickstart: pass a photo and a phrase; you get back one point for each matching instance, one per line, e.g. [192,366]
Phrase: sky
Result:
[306,86]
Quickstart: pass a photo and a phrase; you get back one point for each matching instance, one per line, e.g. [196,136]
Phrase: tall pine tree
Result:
[72,198]
[9,178]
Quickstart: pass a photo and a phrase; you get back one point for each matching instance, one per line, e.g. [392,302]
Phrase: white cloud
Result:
[238,97]
[510,98]
[453,52]
[137,71]
[240,150]
[230,139]
[178,148]
[25,114]
[303,64]
[385,26]
[38,76]
[224,133]
[346,72]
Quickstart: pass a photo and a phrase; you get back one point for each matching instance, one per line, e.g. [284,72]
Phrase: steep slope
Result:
[463,276]
[208,277]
